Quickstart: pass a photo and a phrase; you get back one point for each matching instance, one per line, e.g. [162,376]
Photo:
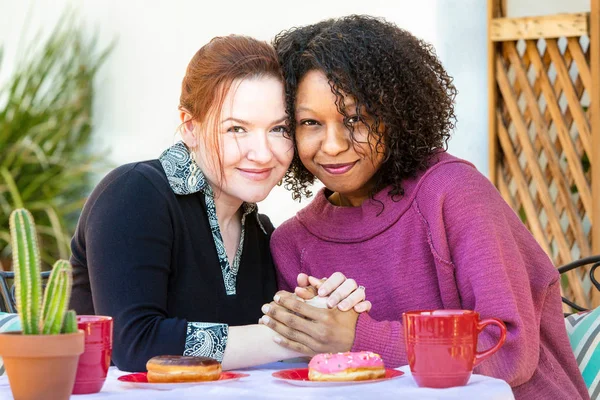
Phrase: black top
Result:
[146,257]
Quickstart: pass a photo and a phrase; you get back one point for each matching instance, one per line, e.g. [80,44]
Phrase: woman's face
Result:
[325,145]
[255,148]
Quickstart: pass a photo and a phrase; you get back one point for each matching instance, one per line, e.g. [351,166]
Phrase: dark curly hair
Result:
[395,77]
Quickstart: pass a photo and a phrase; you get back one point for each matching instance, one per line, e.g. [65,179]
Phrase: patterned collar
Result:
[185,177]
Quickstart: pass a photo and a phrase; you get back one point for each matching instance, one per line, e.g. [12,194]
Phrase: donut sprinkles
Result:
[347,366]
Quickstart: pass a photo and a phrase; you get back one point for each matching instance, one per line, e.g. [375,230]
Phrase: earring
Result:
[193,178]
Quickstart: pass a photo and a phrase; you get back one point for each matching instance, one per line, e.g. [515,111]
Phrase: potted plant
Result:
[41,360]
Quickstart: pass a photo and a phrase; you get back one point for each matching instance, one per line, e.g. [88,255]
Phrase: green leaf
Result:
[564,281]
[12,188]
[522,215]
[574,189]
[585,162]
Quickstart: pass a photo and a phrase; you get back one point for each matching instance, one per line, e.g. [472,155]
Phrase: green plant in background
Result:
[46,161]
[49,317]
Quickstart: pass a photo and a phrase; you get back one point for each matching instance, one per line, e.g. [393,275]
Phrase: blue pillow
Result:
[8,323]
[584,335]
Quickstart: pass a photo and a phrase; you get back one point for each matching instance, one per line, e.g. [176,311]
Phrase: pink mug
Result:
[94,362]
[441,345]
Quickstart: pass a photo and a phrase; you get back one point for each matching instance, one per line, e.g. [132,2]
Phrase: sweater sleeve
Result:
[125,237]
[500,272]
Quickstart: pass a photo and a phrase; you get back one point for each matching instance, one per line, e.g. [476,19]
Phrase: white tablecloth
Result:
[261,385]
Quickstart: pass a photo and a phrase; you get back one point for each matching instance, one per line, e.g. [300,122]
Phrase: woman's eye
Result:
[309,122]
[236,129]
[353,119]
[281,129]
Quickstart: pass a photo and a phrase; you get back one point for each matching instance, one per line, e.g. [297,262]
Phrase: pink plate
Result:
[299,377]
[140,380]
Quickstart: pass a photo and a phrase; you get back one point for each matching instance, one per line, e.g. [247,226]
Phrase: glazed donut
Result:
[170,369]
[348,366]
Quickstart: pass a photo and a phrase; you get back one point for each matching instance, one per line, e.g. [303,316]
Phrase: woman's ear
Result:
[187,129]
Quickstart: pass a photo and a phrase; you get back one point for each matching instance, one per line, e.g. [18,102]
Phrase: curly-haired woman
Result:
[372,110]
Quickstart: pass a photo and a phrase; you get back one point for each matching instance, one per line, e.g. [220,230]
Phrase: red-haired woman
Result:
[174,249]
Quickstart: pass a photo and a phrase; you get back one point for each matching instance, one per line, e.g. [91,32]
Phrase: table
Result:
[261,385]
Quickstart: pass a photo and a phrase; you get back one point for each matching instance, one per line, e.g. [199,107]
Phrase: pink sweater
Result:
[449,242]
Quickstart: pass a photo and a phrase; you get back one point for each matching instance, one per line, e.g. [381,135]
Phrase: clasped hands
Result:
[311,330]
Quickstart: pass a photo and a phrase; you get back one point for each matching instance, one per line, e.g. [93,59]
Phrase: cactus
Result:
[49,316]
[56,297]
[26,264]
[70,322]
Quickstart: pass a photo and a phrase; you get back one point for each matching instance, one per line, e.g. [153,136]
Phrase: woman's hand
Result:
[307,329]
[343,293]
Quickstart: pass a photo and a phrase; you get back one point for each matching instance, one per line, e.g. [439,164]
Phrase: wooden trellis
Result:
[544,105]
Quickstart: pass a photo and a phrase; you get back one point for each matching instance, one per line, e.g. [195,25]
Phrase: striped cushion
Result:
[8,323]
[584,335]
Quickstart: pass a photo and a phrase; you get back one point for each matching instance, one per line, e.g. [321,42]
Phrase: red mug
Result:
[441,345]
[94,362]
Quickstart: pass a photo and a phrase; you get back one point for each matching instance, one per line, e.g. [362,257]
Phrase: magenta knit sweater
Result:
[450,242]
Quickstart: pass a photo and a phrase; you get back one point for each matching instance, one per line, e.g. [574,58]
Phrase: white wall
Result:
[461,43]
[138,88]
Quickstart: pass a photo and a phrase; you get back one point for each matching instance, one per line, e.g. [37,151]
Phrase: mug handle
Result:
[480,356]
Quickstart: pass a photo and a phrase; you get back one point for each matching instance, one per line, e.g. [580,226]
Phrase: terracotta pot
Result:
[41,367]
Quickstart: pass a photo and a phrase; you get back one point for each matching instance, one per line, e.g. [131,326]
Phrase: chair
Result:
[595,260]
[8,301]
[583,330]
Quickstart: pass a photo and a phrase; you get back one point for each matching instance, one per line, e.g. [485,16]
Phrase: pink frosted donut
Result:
[346,366]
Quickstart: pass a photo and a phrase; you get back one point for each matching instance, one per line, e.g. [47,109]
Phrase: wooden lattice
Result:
[544,137]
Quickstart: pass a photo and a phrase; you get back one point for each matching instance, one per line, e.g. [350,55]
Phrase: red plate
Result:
[140,380]
[299,377]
